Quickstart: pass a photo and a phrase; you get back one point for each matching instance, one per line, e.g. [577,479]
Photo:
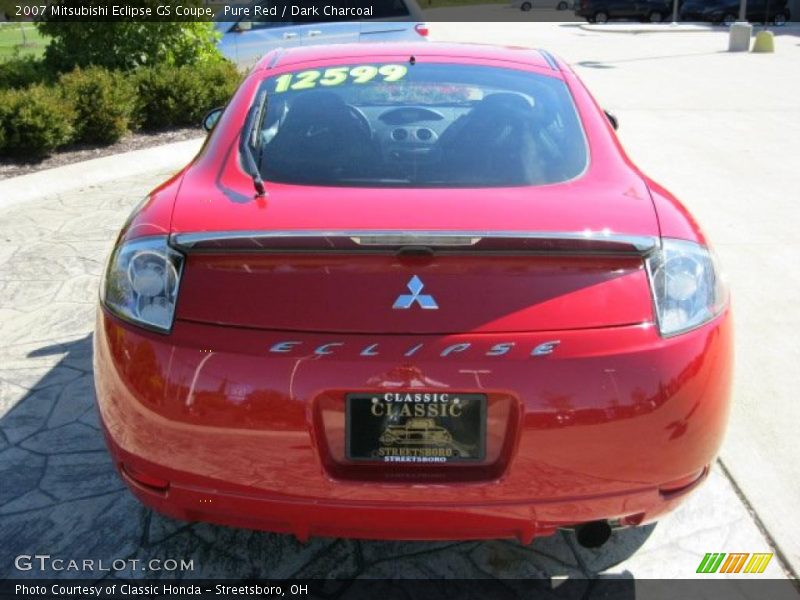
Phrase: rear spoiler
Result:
[392,241]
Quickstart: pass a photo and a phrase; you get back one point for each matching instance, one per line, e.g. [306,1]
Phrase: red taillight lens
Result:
[422,29]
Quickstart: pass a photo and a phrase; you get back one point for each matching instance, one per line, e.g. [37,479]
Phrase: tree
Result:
[127,45]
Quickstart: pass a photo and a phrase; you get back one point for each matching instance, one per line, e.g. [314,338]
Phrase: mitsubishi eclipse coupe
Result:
[413,292]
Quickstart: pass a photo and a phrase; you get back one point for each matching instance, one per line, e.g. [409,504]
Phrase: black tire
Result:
[601,17]
[525,6]
[562,6]
[780,19]
[729,19]
[656,17]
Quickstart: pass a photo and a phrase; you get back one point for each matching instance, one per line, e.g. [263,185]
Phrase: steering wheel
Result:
[363,122]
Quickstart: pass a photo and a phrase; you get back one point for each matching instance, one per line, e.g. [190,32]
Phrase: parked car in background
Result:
[727,11]
[600,11]
[246,40]
[526,5]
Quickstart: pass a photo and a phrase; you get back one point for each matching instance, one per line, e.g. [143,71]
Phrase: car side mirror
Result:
[612,118]
[211,118]
[243,26]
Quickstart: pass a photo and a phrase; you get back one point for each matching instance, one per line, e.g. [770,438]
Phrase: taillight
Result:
[688,289]
[421,29]
[141,282]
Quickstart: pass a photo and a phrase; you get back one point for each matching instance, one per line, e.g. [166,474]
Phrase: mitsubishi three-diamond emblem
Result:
[405,301]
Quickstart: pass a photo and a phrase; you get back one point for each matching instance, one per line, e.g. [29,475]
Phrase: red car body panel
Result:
[209,423]
[630,414]
[301,292]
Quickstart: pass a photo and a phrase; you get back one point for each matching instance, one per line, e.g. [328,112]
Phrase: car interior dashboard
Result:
[501,139]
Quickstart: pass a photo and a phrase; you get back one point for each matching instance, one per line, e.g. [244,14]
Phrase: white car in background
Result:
[526,5]
[246,40]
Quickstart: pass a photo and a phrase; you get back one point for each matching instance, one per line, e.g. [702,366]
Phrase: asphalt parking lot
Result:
[719,130]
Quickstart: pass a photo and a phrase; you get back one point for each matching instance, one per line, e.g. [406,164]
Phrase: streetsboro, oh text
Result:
[167,589]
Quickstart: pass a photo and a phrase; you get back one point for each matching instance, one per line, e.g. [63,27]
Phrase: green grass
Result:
[21,38]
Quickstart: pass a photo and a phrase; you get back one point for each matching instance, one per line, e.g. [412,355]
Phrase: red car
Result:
[413,292]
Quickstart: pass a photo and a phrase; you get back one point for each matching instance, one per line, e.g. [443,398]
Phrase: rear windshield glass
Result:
[416,125]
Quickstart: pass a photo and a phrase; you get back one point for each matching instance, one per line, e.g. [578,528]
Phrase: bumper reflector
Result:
[684,484]
[152,483]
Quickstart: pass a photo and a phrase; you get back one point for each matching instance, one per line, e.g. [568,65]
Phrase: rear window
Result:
[416,125]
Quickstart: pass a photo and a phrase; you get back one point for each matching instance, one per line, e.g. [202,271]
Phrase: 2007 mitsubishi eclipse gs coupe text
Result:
[413,292]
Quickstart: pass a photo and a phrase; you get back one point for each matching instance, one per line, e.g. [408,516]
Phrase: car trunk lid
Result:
[491,260]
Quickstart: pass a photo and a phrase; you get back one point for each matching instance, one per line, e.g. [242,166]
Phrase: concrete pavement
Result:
[684,117]
[721,131]
[95,172]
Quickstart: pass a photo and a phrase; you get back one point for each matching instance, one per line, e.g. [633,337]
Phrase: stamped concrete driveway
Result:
[60,496]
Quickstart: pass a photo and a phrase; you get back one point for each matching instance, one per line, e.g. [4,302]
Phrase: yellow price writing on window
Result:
[360,74]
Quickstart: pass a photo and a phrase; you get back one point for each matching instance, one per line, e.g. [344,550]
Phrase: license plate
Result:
[415,427]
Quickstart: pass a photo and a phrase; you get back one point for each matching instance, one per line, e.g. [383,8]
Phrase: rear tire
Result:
[779,20]
[526,6]
[562,6]
[601,17]
[656,17]
[728,20]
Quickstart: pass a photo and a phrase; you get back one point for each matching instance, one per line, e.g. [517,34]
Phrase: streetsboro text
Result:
[167,589]
[328,10]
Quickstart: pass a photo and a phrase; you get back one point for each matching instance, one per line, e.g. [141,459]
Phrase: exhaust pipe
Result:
[593,534]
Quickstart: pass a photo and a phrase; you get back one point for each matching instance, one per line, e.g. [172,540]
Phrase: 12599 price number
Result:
[306,80]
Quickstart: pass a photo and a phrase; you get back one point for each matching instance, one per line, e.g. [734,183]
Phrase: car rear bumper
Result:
[189,499]
[207,424]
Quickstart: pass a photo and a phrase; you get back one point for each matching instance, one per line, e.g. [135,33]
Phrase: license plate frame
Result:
[452,430]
